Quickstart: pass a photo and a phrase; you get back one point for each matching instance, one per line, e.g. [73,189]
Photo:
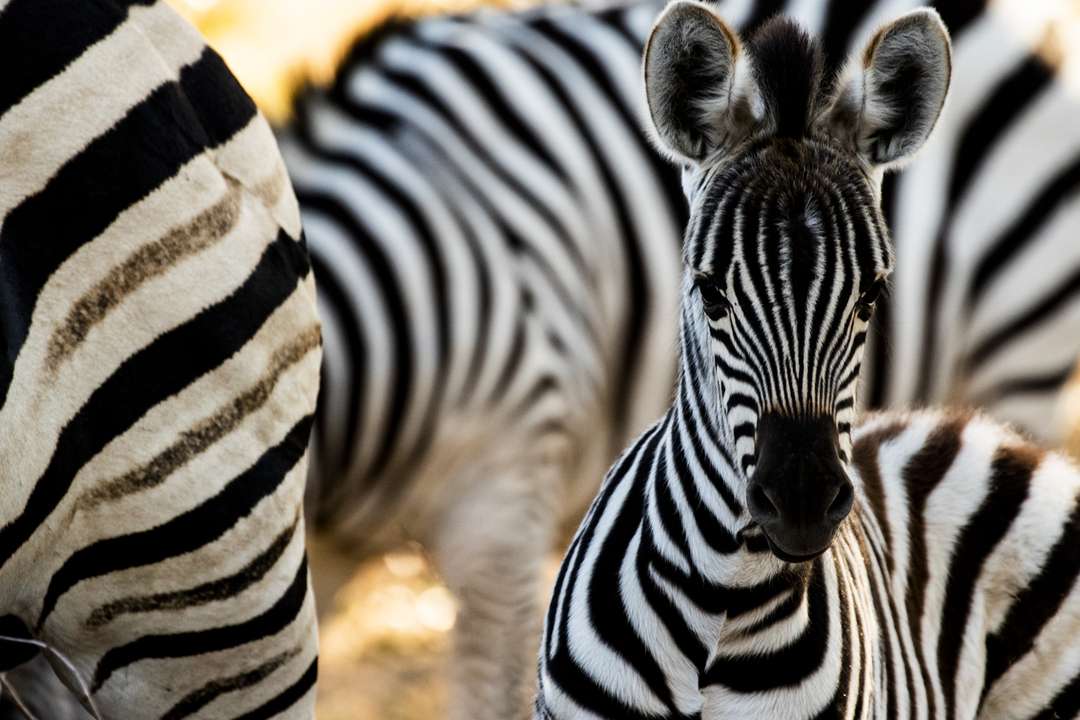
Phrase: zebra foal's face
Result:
[786,250]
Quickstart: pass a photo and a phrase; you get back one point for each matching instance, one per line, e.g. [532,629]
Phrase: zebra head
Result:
[786,249]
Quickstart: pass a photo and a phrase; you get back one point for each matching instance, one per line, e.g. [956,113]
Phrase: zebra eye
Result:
[712,297]
[864,306]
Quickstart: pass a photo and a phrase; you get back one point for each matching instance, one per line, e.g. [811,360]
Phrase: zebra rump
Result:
[159,355]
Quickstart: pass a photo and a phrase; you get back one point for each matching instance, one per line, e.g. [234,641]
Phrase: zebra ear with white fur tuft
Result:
[696,89]
[889,97]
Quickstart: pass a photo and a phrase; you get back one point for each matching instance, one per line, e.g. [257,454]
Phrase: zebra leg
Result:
[491,551]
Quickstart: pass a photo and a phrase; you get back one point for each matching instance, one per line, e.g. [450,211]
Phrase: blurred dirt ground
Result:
[386,638]
[384,644]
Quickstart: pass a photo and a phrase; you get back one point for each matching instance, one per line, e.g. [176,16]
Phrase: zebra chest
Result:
[809,650]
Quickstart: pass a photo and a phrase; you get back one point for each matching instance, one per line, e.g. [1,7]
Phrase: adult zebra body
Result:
[751,555]
[159,355]
[497,249]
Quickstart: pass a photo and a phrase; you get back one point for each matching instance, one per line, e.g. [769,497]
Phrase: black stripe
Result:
[986,126]
[763,10]
[1007,489]
[427,237]
[211,691]
[686,639]
[921,475]
[15,654]
[510,366]
[222,106]
[1049,382]
[588,60]
[878,359]
[200,642]
[606,611]
[787,666]
[1036,603]
[162,369]
[563,667]
[382,270]
[838,704]
[501,110]
[207,592]
[1027,321]
[638,305]
[485,300]
[288,697]
[143,150]
[189,531]
[958,14]
[479,148]
[841,19]
[1066,704]
[39,38]
[1064,186]
[356,351]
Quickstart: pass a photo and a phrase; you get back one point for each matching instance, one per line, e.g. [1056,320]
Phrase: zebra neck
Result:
[695,511]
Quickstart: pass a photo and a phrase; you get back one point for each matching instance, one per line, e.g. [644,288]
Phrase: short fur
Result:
[693,589]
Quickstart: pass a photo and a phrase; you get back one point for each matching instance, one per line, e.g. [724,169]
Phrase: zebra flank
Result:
[759,552]
[159,362]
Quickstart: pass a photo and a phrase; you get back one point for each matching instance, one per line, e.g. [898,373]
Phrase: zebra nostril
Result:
[761,505]
[841,504]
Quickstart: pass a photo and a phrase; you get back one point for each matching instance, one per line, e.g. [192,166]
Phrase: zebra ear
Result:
[697,91]
[889,98]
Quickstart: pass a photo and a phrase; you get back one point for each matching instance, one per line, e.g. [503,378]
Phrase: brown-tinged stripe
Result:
[864,456]
[1008,486]
[220,589]
[1037,603]
[147,262]
[207,431]
[269,191]
[195,701]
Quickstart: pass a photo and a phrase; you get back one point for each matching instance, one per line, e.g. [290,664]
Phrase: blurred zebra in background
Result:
[497,248]
[159,366]
[757,553]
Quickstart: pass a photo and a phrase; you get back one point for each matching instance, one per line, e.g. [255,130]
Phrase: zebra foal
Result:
[756,554]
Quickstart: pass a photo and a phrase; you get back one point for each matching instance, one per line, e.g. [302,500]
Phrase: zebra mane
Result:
[788,66]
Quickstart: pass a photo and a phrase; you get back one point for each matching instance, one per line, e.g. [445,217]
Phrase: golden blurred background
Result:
[386,634]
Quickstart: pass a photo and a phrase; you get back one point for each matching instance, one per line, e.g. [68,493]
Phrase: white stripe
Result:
[52,124]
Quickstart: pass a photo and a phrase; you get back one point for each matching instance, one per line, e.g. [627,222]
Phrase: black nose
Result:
[799,493]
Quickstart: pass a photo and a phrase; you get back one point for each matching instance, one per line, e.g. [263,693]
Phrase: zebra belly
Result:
[469,457]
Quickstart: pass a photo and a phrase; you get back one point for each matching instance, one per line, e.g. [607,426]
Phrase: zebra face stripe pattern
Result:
[788,253]
[786,244]
[159,361]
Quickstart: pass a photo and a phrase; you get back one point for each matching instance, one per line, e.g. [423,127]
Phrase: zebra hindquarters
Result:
[159,374]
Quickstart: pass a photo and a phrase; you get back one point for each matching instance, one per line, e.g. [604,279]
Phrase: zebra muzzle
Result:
[799,492]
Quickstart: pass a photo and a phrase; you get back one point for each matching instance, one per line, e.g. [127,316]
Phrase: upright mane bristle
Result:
[788,66]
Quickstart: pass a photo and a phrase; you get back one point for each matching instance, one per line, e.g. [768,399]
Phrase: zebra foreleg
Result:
[491,552]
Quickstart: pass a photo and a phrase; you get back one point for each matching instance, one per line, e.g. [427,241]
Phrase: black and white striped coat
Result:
[497,247]
[753,555]
[159,355]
